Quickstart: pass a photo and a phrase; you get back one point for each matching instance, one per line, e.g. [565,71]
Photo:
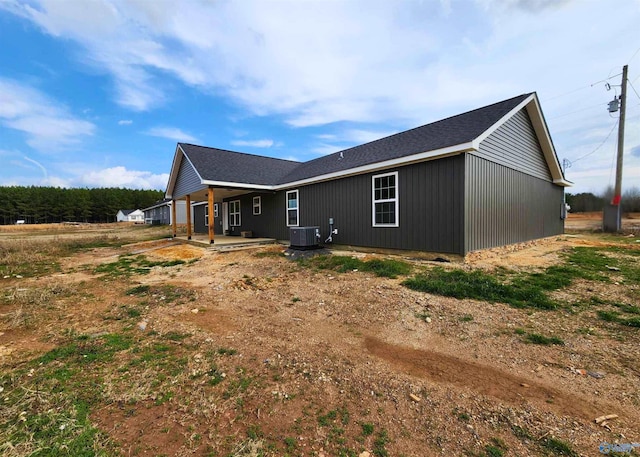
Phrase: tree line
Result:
[587,201]
[54,204]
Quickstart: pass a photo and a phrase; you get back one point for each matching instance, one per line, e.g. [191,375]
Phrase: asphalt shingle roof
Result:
[221,165]
[228,166]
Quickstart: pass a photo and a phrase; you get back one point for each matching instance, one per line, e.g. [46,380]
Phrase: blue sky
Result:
[97,92]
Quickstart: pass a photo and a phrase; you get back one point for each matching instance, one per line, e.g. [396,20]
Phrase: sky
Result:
[96,93]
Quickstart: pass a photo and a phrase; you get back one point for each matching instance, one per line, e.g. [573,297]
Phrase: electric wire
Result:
[634,89]
[634,54]
[568,93]
[600,145]
[579,110]
[605,80]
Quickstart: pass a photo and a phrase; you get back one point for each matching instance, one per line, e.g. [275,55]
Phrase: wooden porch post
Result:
[174,223]
[188,217]
[211,215]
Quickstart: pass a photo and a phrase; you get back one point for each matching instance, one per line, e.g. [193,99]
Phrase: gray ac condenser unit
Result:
[304,237]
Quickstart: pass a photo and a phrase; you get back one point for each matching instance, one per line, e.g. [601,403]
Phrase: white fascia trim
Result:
[540,127]
[199,203]
[174,172]
[563,182]
[238,185]
[437,153]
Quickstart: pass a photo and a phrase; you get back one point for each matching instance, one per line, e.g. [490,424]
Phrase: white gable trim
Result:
[175,168]
[532,105]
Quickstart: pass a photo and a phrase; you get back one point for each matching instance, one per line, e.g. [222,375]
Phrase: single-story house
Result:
[160,213]
[130,215]
[484,178]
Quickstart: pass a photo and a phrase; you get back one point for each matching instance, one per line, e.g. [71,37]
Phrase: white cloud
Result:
[365,136]
[47,124]
[121,177]
[253,143]
[172,133]
[326,149]
[399,64]
[39,165]
[125,122]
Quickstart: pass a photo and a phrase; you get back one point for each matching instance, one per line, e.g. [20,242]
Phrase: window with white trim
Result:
[257,206]
[385,200]
[206,215]
[234,213]
[292,208]
[215,210]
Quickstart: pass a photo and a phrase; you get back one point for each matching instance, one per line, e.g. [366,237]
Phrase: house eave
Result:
[237,185]
[378,166]
[563,182]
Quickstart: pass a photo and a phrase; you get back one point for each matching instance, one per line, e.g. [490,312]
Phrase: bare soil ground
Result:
[278,359]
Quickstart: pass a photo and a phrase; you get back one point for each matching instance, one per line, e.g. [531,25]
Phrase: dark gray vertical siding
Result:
[431,208]
[515,145]
[187,181]
[266,225]
[198,219]
[199,222]
[505,206]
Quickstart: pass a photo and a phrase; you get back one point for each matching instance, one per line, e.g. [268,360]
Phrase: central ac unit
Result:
[304,237]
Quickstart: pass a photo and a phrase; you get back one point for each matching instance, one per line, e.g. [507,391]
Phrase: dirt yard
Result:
[181,350]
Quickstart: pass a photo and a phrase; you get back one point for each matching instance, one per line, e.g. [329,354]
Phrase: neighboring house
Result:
[485,178]
[130,215]
[160,213]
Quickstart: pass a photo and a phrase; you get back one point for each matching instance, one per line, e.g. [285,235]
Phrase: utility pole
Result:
[612,217]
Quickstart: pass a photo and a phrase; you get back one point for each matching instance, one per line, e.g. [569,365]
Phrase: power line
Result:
[600,145]
[634,89]
[605,80]
[634,54]
[579,110]
[568,93]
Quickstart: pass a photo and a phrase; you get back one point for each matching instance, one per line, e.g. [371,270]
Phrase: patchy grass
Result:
[619,318]
[270,253]
[479,285]
[527,290]
[28,303]
[536,338]
[387,268]
[128,265]
[558,447]
[34,258]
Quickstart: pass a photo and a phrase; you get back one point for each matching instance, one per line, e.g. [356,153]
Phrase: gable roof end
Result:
[532,105]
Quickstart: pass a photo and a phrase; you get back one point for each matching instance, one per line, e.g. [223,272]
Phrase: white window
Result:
[234,213]
[215,210]
[206,215]
[292,208]
[257,206]
[385,200]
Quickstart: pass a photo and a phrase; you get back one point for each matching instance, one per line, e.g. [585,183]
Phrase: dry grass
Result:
[28,303]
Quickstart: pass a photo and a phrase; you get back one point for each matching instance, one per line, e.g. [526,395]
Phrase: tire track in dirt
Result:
[482,379]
